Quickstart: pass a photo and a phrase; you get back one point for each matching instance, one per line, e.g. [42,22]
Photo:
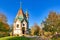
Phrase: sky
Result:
[38,10]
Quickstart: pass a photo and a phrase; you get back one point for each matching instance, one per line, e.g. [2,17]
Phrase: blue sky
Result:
[38,9]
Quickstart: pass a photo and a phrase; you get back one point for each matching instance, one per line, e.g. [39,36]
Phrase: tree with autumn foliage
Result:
[52,23]
[35,29]
[4,27]
[3,18]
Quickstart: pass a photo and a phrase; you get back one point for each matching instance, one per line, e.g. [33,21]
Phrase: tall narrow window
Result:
[17,25]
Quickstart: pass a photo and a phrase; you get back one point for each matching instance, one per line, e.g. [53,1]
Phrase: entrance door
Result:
[23,30]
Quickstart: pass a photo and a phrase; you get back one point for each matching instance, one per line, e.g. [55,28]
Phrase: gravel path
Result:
[38,38]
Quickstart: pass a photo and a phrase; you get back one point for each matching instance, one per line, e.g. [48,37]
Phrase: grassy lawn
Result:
[16,38]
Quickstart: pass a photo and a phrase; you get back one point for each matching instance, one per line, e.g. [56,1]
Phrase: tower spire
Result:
[27,14]
[20,5]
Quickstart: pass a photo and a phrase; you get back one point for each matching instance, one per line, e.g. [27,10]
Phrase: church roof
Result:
[20,12]
[23,20]
[20,15]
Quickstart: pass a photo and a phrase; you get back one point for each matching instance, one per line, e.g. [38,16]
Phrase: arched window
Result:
[17,25]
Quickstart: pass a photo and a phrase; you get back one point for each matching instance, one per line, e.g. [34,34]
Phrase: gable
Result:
[24,20]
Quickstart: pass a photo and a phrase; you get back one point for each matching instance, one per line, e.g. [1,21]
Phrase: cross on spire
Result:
[20,5]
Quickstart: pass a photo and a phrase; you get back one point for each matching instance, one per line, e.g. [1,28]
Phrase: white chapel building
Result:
[20,25]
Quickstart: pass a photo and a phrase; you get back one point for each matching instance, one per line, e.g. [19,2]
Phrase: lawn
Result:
[16,38]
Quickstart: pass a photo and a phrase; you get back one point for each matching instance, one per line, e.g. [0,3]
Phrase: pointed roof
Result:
[23,20]
[20,12]
[26,13]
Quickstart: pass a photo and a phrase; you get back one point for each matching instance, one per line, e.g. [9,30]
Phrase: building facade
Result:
[20,25]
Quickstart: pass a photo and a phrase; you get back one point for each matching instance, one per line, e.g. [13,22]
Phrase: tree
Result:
[3,18]
[35,29]
[4,27]
[52,23]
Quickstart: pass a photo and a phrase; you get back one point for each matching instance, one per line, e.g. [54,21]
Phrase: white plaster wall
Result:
[24,22]
[17,31]
[18,22]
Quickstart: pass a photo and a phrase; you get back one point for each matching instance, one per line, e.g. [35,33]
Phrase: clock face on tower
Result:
[20,17]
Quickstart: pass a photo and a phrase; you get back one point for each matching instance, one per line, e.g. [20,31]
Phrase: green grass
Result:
[16,38]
